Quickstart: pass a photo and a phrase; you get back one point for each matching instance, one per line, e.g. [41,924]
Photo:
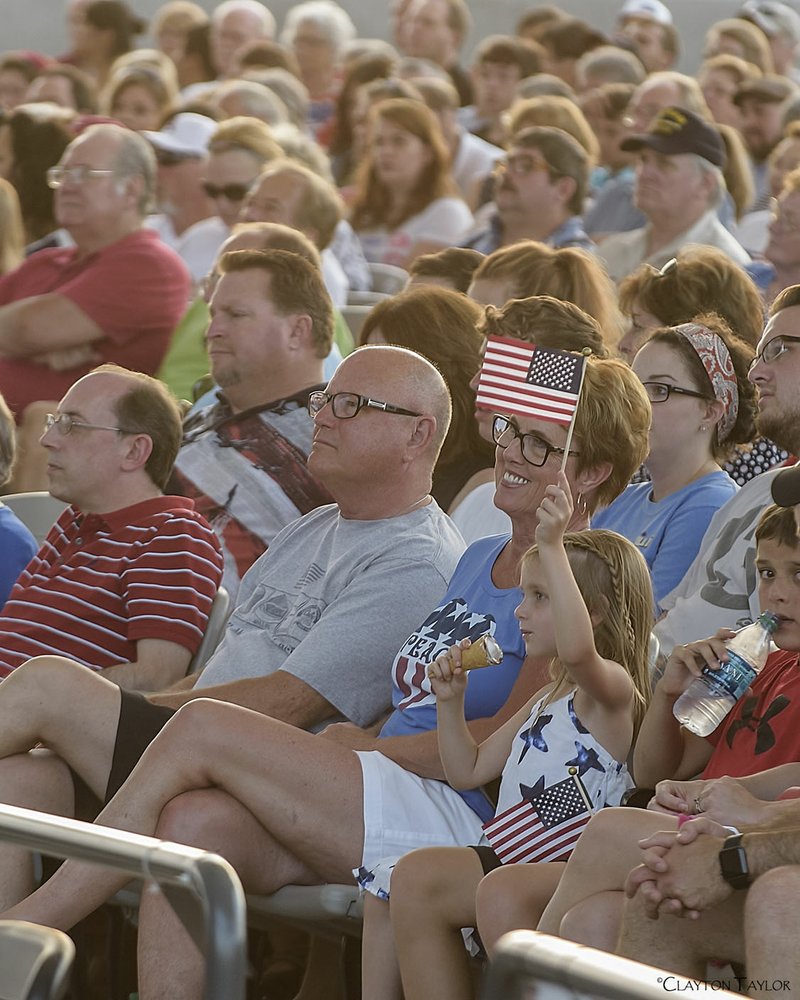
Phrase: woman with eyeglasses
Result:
[695,376]
[406,201]
[550,322]
[699,279]
[394,780]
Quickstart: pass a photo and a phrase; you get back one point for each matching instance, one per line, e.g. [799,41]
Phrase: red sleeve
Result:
[171,584]
[136,286]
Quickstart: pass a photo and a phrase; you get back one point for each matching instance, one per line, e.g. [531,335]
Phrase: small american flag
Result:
[532,381]
[543,826]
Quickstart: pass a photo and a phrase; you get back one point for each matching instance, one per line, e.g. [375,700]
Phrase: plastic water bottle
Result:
[709,698]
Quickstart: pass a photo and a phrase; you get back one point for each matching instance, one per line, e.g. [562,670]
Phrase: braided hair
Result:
[614,582]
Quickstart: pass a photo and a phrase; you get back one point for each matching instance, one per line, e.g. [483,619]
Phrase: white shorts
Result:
[403,811]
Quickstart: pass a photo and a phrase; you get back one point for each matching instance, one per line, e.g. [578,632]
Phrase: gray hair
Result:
[8,442]
[134,158]
[255,7]
[257,101]
[287,88]
[331,19]
[720,188]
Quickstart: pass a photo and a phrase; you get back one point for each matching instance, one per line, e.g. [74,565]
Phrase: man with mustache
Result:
[539,192]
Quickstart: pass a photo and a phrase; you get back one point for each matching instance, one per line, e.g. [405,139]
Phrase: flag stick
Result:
[571,428]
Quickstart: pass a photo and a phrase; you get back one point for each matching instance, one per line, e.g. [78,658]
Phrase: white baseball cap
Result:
[651,10]
[187,134]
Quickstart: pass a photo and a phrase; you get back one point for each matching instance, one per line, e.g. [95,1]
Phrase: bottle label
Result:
[733,678]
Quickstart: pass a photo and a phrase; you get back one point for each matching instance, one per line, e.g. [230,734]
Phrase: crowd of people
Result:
[259,287]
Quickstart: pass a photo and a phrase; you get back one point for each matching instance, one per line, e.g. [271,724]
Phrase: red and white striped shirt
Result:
[100,583]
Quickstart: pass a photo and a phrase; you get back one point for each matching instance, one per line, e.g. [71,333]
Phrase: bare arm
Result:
[605,682]
[419,753]
[466,763]
[42,324]
[281,695]
[663,749]
[158,664]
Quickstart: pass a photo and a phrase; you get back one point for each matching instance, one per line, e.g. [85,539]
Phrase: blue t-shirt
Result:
[17,548]
[472,606]
[667,532]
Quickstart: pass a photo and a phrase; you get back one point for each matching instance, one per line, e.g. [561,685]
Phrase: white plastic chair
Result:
[215,626]
[38,511]
[35,961]
[387,278]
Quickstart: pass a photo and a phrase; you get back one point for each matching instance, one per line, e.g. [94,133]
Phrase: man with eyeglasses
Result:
[124,582]
[115,295]
[181,151]
[721,585]
[540,187]
[319,616]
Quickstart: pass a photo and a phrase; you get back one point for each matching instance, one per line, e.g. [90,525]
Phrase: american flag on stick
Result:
[543,826]
[531,381]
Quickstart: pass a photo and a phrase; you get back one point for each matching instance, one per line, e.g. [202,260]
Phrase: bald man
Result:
[320,614]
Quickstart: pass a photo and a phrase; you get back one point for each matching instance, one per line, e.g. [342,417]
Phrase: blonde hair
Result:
[569,274]
[12,241]
[614,582]
[250,135]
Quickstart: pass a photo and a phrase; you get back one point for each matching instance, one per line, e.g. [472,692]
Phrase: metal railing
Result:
[525,960]
[202,888]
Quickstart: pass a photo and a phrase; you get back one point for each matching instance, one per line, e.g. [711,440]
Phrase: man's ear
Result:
[139,449]
[300,334]
[566,188]
[423,433]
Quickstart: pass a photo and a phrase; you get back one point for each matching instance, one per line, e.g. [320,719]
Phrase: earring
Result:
[703,427]
[580,504]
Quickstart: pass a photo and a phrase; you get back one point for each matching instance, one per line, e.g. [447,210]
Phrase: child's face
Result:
[779,589]
[533,614]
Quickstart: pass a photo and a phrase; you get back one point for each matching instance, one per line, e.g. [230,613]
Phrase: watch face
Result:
[733,863]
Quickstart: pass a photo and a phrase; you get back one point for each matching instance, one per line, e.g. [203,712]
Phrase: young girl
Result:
[587,605]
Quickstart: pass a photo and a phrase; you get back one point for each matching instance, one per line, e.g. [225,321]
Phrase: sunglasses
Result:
[231,192]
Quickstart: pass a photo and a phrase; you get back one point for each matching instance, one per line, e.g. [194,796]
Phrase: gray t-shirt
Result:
[720,588]
[332,601]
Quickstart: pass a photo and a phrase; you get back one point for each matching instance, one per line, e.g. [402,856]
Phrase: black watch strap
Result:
[733,862]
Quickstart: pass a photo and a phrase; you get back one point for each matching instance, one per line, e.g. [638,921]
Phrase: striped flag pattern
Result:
[541,827]
[531,381]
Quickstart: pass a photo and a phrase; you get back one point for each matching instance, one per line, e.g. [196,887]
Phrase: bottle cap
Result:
[768,621]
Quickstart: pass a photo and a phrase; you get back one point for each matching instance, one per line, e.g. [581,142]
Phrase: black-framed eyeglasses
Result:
[535,450]
[56,176]
[231,192]
[659,392]
[773,349]
[346,405]
[65,424]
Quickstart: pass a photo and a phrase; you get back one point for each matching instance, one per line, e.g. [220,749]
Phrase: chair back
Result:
[387,278]
[38,511]
[35,961]
[213,633]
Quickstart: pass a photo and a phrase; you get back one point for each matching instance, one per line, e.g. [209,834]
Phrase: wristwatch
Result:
[733,862]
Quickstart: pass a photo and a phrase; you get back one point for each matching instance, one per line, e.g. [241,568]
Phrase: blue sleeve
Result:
[680,543]
[17,548]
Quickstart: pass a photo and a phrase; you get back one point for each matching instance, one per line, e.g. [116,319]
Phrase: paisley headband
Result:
[716,360]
